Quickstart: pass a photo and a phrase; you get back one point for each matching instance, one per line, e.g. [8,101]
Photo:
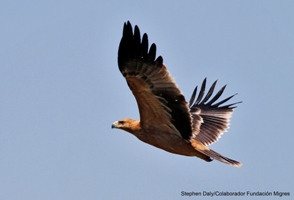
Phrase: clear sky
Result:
[60,91]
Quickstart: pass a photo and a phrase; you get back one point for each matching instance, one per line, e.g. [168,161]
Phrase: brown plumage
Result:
[167,121]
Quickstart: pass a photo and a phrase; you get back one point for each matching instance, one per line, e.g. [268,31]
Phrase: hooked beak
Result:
[114,125]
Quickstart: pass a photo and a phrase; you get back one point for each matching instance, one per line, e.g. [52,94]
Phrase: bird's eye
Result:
[121,122]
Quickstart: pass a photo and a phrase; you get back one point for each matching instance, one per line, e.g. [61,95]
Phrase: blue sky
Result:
[60,91]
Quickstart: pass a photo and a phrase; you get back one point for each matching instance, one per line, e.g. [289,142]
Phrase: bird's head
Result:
[127,124]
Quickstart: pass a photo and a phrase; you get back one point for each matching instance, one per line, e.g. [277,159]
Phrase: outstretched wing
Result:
[210,119]
[159,99]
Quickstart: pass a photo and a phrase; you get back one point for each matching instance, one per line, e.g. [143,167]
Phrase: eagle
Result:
[167,120]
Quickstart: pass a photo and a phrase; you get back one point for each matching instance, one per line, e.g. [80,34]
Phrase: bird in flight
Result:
[167,120]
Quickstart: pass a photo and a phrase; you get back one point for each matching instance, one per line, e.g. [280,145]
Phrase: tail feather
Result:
[223,159]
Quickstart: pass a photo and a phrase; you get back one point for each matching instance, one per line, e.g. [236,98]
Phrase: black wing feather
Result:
[210,119]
